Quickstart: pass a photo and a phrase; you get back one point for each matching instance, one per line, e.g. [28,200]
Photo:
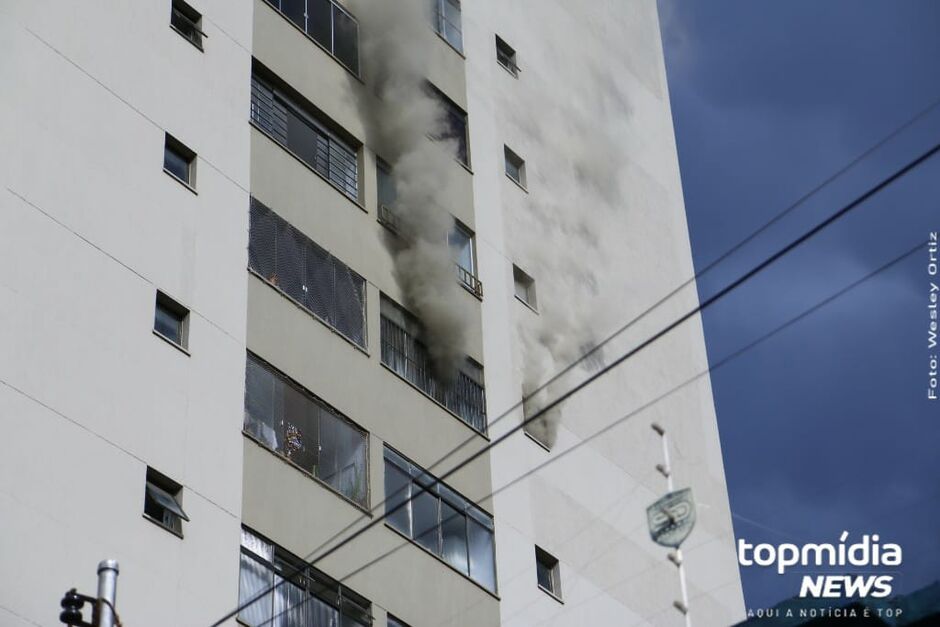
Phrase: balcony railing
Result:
[469,280]
[405,355]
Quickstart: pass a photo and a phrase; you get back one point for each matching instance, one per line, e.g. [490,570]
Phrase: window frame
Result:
[164,488]
[193,17]
[521,276]
[441,22]
[467,277]
[547,561]
[451,111]
[186,154]
[279,450]
[512,158]
[181,312]
[281,99]
[331,50]
[276,559]
[503,49]
[444,494]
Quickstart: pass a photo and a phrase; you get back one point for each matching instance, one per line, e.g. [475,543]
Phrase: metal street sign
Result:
[671,518]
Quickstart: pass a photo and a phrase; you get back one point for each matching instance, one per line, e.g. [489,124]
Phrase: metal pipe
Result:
[107,592]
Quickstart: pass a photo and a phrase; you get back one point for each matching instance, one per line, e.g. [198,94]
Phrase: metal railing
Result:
[406,356]
[469,280]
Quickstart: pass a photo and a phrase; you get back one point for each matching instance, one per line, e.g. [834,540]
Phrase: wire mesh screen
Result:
[292,422]
[315,279]
[407,356]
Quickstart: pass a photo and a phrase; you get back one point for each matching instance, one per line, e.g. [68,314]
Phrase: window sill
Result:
[527,305]
[318,44]
[284,294]
[178,347]
[552,594]
[511,71]
[354,201]
[518,184]
[459,52]
[362,508]
[430,398]
[180,181]
[442,561]
[191,42]
[536,440]
[162,526]
[473,292]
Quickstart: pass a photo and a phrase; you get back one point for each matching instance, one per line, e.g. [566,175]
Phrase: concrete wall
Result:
[592,93]
[90,229]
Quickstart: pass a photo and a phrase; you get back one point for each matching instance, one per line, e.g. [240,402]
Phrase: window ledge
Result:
[430,398]
[306,165]
[442,561]
[536,440]
[472,291]
[551,594]
[528,306]
[459,52]
[518,184]
[362,508]
[181,181]
[162,526]
[513,73]
[178,347]
[284,294]
[191,42]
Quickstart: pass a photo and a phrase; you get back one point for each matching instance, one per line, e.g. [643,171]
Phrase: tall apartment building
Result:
[273,268]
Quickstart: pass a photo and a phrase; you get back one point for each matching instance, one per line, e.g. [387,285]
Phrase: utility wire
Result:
[617,422]
[607,368]
[789,209]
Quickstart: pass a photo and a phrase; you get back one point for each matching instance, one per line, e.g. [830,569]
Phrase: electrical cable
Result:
[617,422]
[607,368]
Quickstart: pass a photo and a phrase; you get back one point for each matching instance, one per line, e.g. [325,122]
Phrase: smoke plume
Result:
[401,116]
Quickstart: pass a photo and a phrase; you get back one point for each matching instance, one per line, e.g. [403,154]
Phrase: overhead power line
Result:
[607,368]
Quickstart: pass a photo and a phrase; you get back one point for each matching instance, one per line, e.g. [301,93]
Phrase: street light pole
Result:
[107,592]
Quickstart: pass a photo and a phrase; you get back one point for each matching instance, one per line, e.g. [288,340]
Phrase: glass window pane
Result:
[254,578]
[289,605]
[346,39]
[301,437]
[426,509]
[260,385]
[176,164]
[544,574]
[461,246]
[168,324]
[482,558]
[397,491]
[386,186]
[319,22]
[452,27]
[302,138]
[349,477]
[454,537]
[294,10]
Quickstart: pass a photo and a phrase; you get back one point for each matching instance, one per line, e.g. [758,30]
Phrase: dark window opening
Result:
[547,573]
[506,56]
[515,166]
[179,161]
[162,502]
[524,287]
[187,21]
[171,320]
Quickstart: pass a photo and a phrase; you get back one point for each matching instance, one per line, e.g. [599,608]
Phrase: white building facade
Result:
[227,337]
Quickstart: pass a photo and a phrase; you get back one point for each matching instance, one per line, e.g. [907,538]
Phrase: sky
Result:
[825,427]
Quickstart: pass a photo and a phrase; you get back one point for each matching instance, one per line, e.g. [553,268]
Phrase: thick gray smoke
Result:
[401,116]
[576,202]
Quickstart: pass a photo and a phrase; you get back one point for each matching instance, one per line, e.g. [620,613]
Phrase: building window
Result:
[455,126]
[408,357]
[171,321]
[305,136]
[179,161]
[311,598]
[447,22]
[547,573]
[506,56]
[162,502]
[524,287]
[328,24]
[291,421]
[313,278]
[394,622]
[187,21]
[515,167]
[387,196]
[460,241]
[440,520]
